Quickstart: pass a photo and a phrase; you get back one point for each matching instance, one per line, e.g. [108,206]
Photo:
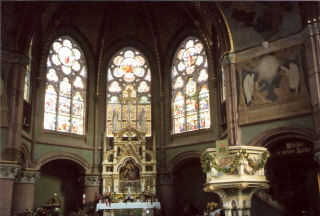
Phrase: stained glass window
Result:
[190,94]
[65,96]
[128,92]
[26,93]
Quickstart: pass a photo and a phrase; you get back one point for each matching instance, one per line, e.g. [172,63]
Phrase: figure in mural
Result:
[248,87]
[132,175]
[54,200]
[128,174]
[115,119]
[259,97]
[124,175]
[142,120]
[283,92]
[293,74]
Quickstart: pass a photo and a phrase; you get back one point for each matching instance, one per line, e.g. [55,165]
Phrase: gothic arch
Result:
[25,156]
[63,155]
[276,133]
[183,156]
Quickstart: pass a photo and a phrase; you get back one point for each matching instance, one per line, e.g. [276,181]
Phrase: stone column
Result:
[8,172]
[23,190]
[13,68]
[312,47]
[91,185]
[232,104]
[166,184]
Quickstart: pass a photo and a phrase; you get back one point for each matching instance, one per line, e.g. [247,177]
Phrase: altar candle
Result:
[109,189]
[148,187]
[84,196]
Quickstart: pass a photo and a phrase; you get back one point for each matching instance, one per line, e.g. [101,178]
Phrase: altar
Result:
[147,209]
[129,167]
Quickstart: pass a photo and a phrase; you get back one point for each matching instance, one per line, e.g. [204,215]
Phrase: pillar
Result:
[13,68]
[166,184]
[313,65]
[91,185]
[23,190]
[8,172]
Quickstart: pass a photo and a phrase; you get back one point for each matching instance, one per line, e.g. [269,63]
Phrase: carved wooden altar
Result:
[129,169]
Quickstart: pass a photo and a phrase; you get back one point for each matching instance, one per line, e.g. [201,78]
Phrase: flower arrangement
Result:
[208,161]
[211,207]
[120,197]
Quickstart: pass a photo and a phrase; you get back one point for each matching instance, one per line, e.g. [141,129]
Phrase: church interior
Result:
[160,108]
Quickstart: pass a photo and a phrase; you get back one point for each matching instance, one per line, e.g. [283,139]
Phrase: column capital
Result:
[28,176]
[9,169]
[91,180]
[166,178]
[15,57]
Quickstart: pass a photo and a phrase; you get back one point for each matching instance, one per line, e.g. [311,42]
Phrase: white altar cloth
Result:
[129,205]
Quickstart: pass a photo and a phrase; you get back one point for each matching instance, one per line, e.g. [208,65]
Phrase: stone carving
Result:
[28,176]
[90,180]
[166,178]
[9,171]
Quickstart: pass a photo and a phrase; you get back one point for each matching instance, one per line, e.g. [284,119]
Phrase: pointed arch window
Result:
[190,92]
[128,92]
[65,95]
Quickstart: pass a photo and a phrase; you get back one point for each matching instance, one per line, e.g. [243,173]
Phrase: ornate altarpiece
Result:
[129,168]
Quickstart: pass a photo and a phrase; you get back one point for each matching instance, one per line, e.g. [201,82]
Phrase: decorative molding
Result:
[15,57]
[9,170]
[28,176]
[166,178]
[91,180]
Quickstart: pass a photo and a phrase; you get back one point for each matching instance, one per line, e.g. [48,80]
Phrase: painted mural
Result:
[272,82]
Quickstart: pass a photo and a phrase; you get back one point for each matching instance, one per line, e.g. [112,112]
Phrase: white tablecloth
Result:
[128,205]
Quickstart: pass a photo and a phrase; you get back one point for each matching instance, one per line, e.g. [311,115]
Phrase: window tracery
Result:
[65,87]
[190,94]
[128,92]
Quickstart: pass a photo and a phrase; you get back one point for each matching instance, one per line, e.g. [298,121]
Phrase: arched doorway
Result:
[60,177]
[291,171]
[190,197]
